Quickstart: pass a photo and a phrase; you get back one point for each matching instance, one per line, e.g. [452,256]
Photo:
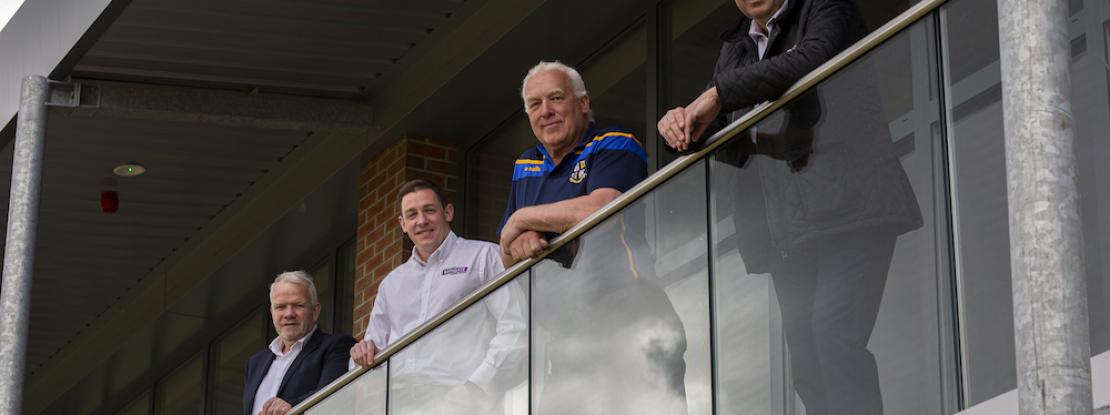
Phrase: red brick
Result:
[415,162]
[441,167]
[381,246]
[429,151]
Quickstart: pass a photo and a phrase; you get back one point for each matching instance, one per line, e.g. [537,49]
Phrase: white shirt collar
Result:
[275,345]
[443,249]
[753,30]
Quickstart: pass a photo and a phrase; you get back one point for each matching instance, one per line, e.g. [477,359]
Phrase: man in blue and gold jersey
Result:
[612,341]
[576,169]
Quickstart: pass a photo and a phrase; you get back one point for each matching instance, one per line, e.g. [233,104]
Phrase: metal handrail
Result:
[757,114]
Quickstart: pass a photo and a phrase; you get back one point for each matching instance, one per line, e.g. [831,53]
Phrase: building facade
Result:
[275,137]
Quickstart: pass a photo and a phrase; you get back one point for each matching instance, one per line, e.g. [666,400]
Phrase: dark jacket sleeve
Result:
[335,364]
[830,26]
[248,397]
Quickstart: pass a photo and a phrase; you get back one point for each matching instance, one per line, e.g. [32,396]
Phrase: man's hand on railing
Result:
[275,406]
[363,353]
[527,245]
[683,125]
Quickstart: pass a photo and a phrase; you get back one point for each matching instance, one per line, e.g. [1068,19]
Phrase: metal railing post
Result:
[1052,339]
[19,248]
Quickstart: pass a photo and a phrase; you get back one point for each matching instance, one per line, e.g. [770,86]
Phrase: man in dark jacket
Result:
[302,359]
[820,195]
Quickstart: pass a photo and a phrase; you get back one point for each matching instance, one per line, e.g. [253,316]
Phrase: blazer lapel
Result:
[255,381]
[311,345]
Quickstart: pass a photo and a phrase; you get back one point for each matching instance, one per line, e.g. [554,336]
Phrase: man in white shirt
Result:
[302,359]
[467,364]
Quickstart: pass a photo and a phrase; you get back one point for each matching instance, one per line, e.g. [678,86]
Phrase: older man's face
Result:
[558,118]
[759,10]
[292,311]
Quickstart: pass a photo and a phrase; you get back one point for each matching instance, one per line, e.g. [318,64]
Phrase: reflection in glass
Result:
[815,206]
[363,396]
[469,365]
[979,183]
[620,327]
[228,361]
[322,277]
[345,293]
[181,392]
[138,406]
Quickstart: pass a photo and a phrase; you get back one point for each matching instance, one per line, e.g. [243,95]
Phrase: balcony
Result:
[812,275]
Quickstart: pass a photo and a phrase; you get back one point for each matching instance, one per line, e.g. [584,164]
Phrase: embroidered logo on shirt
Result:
[579,172]
[455,270]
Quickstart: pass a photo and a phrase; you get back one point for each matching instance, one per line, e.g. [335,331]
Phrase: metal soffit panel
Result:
[328,47]
[86,260]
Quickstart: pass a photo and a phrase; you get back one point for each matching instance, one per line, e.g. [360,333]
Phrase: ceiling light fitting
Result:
[129,170]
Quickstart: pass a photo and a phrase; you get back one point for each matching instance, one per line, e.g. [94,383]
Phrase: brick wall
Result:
[381,244]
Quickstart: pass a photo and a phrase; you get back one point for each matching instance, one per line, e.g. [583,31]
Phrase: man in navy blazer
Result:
[302,359]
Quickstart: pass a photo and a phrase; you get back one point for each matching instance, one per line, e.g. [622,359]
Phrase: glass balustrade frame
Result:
[873,40]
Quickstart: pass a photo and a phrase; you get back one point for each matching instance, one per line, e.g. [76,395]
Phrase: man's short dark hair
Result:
[413,186]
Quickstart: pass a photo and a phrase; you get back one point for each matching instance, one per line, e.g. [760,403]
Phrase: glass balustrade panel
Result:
[621,314]
[475,363]
[830,264]
[363,396]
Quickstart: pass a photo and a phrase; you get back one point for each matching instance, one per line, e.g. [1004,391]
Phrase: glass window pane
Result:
[140,406]
[980,203]
[475,363]
[621,314]
[363,396]
[829,283]
[323,276]
[182,391]
[345,291]
[229,360]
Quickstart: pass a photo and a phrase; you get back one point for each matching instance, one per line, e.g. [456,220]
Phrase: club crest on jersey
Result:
[579,173]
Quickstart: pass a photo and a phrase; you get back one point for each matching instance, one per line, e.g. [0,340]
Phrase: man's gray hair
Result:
[301,278]
[576,82]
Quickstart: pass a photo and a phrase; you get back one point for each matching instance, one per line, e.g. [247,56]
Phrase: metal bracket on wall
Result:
[72,94]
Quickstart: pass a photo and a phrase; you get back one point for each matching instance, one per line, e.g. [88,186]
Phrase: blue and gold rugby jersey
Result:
[604,157]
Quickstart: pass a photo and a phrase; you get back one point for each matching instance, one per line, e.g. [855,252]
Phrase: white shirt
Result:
[759,36]
[476,345]
[272,381]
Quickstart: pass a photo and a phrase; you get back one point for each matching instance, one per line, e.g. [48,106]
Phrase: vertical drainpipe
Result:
[19,248]
[1051,334]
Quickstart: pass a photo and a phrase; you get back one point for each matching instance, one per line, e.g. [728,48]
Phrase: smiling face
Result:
[557,117]
[292,311]
[425,220]
[759,10]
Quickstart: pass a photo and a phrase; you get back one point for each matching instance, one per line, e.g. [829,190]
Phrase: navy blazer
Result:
[323,359]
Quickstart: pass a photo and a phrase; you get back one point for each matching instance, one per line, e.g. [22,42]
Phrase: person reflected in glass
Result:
[466,365]
[819,199]
[616,343]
